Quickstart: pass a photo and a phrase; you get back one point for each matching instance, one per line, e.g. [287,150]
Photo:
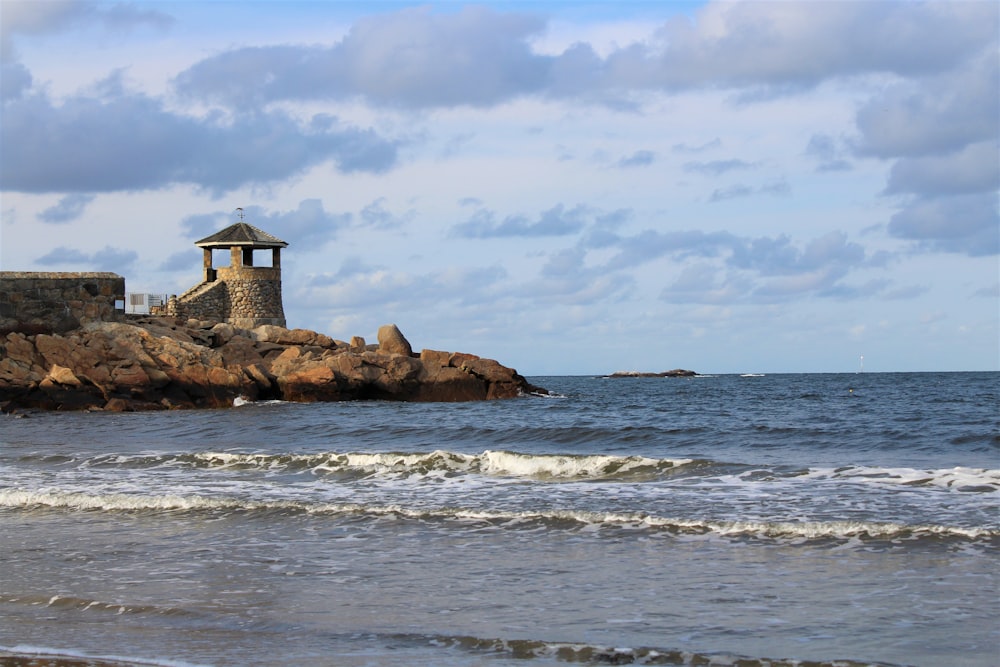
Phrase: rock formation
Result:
[675,373]
[391,340]
[158,363]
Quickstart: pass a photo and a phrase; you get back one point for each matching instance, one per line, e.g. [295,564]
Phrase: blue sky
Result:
[565,187]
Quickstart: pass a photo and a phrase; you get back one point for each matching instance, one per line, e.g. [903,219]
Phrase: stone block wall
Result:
[245,297]
[255,302]
[207,301]
[48,302]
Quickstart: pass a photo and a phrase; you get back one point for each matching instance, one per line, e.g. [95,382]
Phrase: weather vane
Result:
[240,209]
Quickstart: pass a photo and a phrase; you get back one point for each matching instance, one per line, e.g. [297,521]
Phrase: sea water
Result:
[838,519]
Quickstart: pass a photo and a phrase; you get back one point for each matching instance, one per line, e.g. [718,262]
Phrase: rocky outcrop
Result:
[675,373]
[160,363]
[392,340]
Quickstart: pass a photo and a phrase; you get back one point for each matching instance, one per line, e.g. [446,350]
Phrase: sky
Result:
[566,187]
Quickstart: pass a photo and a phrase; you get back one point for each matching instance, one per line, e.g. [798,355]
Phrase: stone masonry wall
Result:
[48,302]
[255,302]
[208,301]
[245,297]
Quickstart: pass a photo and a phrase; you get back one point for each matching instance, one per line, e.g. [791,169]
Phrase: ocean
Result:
[799,519]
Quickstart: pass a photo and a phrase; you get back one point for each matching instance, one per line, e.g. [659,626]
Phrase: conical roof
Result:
[241,234]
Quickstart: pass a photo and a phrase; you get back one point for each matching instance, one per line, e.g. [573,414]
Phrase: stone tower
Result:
[241,294]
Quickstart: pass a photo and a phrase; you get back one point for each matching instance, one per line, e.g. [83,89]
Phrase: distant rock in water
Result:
[156,363]
[676,373]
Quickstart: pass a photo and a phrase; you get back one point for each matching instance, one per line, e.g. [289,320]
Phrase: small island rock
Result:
[675,373]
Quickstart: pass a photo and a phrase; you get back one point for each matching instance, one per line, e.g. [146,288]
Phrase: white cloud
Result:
[740,179]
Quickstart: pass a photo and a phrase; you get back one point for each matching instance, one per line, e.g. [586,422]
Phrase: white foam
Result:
[955,479]
[111,501]
[804,530]
[56,653]
[565,466]
[497,463]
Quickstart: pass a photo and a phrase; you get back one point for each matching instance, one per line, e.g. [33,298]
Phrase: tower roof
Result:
[241,234]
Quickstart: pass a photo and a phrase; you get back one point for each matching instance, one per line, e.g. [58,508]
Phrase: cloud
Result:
[63,255]
[699,283]
[731,192]
[15,80]
[778,188]
[556,221]
[31,17]
[132,142]
[638,159]
[908,292]
[377,216]
[968,224]
[650,245]
[413,58]
[700,148]
[349,268]
[567,280]
[308,226]
[200,225]
[360,285]
[106,259]
[762,269]
[68,208]
[973,168]
[990,292]
[934,116]
[943,134]
[181,261]
[718,167]
[789,46]
[417,58]
[828,152]
[778,256]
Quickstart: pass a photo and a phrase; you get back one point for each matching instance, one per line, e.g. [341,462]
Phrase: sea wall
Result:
[50,302]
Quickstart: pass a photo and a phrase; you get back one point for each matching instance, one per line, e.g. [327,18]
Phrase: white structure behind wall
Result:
[144,304]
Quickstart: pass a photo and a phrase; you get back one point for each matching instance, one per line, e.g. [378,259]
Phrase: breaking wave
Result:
[803,531]
[540,467]
[519,649]
[556,467]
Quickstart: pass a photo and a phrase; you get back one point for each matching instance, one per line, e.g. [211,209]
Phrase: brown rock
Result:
[17,348]
[269,333]
[392,341]
[223,333]
[457,359]
[451,385]
[317,383]
[432,358]
[161,363]
[55,350]
[118,405]
[129,376]
[62,375]
[265,382]
[242,351]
